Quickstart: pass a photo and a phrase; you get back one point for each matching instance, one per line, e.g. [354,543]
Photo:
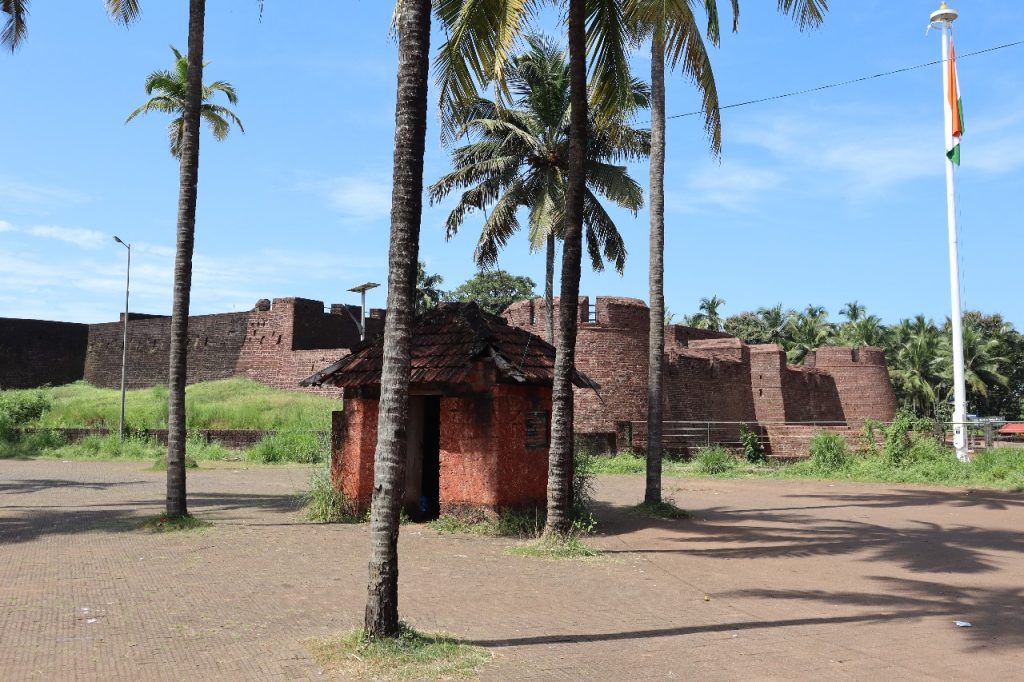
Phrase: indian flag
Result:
[956,109]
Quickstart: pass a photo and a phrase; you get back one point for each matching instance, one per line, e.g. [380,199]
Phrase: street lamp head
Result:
[119,241]
[364,287]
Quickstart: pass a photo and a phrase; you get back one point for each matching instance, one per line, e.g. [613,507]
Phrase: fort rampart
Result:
[710,376]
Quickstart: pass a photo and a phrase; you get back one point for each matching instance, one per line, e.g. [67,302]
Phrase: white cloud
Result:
[732,186]
[16,192]
[360,198]
[6,226]
[86,239]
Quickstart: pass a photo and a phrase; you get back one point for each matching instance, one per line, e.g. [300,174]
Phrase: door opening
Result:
[430,483]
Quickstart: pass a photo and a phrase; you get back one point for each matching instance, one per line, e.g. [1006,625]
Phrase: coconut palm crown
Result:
[517,159]
[170,84]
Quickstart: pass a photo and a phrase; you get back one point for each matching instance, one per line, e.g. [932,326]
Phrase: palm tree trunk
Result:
[560,456]
[185,242]
[381,619]
[549,289]
[656,347]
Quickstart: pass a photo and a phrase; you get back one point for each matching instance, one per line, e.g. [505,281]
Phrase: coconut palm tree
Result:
[808,331]
[913,363]
[982,362]
[412,25]
[708,317]
[676,39]
[866,330]
[171,86]
[517,160]
[428,288]
[853,311]
[482,36]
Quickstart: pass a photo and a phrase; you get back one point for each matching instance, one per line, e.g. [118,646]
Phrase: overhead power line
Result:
[847,82]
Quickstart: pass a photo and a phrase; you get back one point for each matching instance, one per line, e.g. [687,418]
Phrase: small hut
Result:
[479,415]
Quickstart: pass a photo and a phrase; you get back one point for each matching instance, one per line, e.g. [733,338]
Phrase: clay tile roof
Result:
[446,342]
[1012,428]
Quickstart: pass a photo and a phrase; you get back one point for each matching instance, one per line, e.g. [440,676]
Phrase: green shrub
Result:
[583,472]
[8,431]
[23,407]
[326,504]
[829,452]
[306,447]
[753,450]
[869,436]
[713,460]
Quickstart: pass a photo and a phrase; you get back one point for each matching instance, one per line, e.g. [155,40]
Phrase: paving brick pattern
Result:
[769,580]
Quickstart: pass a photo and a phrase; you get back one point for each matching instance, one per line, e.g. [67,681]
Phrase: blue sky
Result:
[820,199]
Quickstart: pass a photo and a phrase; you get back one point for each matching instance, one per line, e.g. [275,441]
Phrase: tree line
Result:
[918,351]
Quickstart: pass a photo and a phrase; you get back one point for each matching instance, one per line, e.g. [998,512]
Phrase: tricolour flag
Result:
[956,109]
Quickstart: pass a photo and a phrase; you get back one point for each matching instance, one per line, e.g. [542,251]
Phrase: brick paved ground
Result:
[805,580]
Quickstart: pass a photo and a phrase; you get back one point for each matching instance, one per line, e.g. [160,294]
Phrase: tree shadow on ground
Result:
[922,546]
[996,620]
[35,485]
[33,522]
[994,613]
[995,500]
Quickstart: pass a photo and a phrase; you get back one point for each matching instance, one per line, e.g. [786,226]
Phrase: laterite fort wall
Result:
[39,352]
[709,375]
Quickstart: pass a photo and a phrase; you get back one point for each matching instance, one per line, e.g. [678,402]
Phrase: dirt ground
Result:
[768,580]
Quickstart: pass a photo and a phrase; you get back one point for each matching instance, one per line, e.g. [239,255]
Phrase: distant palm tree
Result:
[913,363]
[982,362]
[775,322]
[428,288]
[171,86]
[518,160]
[708,317]
[863,331]
[853,311]
[808,331]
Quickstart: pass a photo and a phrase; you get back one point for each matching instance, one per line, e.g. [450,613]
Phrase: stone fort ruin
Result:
[710,377]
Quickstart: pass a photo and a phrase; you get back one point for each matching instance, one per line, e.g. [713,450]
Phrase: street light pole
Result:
[362,289]
[124,348]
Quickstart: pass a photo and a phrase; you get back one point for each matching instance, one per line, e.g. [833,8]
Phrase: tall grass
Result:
[237,403]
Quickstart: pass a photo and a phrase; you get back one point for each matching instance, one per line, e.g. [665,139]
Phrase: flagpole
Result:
[943,18]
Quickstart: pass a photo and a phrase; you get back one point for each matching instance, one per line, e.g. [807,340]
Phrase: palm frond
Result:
[608,46]
[604,242]
[16,25]
[481,36]
[615,184]
[124,11]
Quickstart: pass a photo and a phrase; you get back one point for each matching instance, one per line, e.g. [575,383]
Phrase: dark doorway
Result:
[430,484]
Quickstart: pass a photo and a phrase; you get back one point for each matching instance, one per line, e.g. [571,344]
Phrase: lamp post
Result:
[124,349]
[362,289]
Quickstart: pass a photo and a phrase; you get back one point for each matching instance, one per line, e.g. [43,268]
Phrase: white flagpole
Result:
[943,18]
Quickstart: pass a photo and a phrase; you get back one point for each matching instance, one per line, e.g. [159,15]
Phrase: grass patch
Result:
[305,447]
[410,656]
[829,452]
[237,403]
[631,463]
[170,524]
[569,546]
[161,463]
[326,504]
[659,510]
[509,523]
